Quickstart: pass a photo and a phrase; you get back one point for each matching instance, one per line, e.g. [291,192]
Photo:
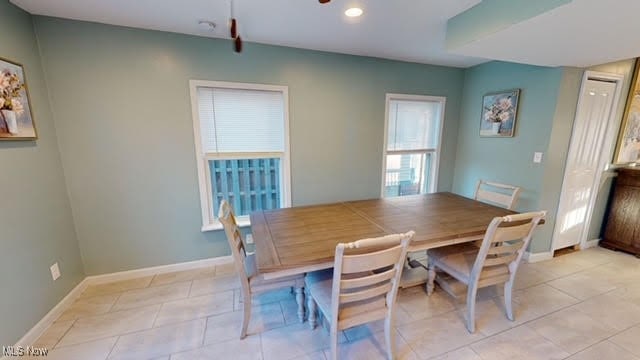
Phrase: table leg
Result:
[312,308]
[431,279]
[300,301]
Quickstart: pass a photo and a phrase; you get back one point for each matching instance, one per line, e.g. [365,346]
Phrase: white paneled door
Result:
[591,138]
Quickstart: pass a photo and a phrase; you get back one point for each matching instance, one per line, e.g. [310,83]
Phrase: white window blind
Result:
[241,120]
[413,125]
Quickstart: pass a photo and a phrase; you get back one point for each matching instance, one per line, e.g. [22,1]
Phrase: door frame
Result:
[608,148]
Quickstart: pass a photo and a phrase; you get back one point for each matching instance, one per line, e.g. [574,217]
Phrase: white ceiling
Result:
[582,33]
[409,30]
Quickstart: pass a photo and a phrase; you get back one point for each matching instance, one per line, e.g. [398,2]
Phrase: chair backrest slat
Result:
[368,272]
[367,293]
[367,280]
[504,244]
[511,233]
[505,195]
[371,261]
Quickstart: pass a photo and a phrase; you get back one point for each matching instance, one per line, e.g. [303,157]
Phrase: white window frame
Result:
[209,218]
[433,181]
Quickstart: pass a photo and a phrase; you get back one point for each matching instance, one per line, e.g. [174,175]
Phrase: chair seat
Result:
[350,314]
[458,261]
[259,283]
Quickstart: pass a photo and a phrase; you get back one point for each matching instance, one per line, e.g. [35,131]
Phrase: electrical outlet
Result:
[537,157]
[55,271]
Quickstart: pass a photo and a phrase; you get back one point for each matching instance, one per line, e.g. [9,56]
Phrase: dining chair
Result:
[252,282]
[363,287]
[495,262]
[496,193]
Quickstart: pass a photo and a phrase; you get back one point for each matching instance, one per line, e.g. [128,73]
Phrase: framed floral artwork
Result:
[628,149]
[499,112]
[16,121]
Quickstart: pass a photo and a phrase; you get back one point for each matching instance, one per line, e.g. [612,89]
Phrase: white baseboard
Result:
[531,258]
[132,274]
[34,334]
[536,257]
[590,244]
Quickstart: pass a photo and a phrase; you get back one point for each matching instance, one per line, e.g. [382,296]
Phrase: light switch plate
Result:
[537,157]
[55,271]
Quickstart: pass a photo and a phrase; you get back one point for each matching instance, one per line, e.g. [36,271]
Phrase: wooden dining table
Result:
[302,239]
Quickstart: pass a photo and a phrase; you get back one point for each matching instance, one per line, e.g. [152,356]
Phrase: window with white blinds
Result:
[241,135]
[413,125]
[241,120]
[412,144]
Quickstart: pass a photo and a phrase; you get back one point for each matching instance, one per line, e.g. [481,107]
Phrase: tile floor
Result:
[584,305]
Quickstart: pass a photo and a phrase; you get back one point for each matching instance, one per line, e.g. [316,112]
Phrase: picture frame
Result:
[499,113]
[628,146]
[16,117]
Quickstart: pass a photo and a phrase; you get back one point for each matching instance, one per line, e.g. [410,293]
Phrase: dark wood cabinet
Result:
[622,230]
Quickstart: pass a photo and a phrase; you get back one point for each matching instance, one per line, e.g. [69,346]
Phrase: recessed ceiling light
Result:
[353,12]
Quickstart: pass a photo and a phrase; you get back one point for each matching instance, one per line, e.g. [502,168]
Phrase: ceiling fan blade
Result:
[324,1]
[237,43]
[234,29]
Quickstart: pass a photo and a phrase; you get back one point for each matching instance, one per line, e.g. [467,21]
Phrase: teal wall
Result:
[121,103]
[556,155]
[509,160]
[545,120]
[35,216]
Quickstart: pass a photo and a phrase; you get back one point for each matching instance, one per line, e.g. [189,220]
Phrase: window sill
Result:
[218,226]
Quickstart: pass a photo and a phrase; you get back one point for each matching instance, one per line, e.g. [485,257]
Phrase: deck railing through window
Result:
[407,174]
[248,184]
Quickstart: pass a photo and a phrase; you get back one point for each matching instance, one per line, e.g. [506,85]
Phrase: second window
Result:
[413,132]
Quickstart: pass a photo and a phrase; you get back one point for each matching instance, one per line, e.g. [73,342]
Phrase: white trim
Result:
[209,221]
[537,257]
[608,147]
[590,244]
[383,175]
[37,330]
[436,159]
[436,170]
[238,85]
[200,163]
[241,221]
[548,255]
[286,168]
[154,270]
[416,151]
[229,156]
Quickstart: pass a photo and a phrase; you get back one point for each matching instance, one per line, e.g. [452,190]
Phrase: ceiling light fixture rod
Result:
[233,29]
